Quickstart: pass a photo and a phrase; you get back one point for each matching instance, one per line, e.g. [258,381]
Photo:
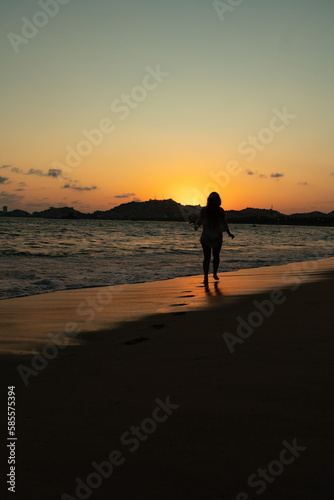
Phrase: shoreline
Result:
[52,291]
[232,410]
[30,320]
[303,221]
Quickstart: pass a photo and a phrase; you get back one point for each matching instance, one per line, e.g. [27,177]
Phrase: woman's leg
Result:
[206,261]
[216,260]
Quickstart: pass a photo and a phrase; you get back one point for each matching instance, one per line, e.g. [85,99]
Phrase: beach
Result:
[166,250]
[171,390]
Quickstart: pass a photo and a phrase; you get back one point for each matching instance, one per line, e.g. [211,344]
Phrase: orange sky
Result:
[95,115]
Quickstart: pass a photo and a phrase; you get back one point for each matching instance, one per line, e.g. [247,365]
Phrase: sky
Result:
[108,101]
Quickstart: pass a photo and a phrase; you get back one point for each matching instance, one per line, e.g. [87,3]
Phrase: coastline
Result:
[68,259]
[29,321]
[232,410]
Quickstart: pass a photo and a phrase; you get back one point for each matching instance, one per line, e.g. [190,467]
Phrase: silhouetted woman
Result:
[212,219]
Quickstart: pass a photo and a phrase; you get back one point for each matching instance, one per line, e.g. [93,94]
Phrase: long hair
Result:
[213,207]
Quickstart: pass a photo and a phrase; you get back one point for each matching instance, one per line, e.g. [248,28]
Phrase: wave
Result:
[91,256]
[18,253]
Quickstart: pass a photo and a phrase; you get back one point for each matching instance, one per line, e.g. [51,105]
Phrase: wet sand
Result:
[236,401]
[27,321]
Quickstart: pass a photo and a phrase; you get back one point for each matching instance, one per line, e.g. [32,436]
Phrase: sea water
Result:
[44,255]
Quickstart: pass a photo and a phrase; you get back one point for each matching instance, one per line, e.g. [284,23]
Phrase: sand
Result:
[28,321]
[239,396]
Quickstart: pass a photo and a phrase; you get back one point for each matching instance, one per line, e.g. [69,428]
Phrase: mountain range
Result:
[170,210]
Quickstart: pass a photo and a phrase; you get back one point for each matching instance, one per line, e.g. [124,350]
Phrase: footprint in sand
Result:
[135,341]
[185,296]
[178,305]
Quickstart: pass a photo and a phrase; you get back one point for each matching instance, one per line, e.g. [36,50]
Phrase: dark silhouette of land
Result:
[170,210]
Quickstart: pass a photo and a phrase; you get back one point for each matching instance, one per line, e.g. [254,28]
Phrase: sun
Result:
[189,192]
[184,195]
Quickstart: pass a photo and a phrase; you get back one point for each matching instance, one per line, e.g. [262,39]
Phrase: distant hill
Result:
[255,215]
[311,214]
[17,213]
[170,210]
[150,210]
[60,213]
[250,212]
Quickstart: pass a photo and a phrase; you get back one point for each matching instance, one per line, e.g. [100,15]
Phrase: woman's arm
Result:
[227,230]
[199,220]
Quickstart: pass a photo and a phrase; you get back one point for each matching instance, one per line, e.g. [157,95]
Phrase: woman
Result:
[212,218]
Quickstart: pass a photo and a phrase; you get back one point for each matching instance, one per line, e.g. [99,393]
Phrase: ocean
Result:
[44,255]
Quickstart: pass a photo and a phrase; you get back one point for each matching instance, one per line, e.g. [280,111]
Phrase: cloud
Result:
[5,166]
[125,195]
[33,171]
[78,188]
[19,189]
[255,172]
[3,180]
[8,198]
[23,184]
[332,173]
[136,199]
[17,170]
[276,176]
[52,172]
[303,184]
